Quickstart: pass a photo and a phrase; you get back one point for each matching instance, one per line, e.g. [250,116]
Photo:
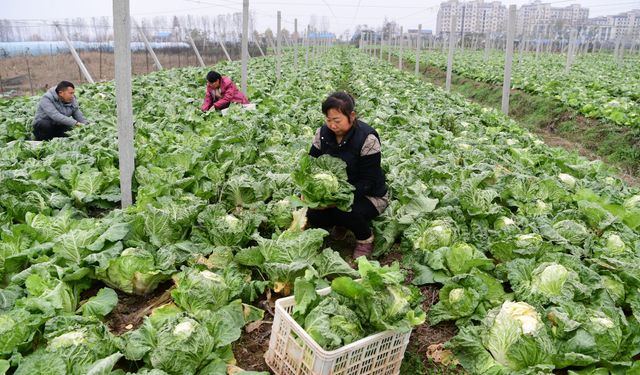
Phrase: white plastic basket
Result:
[293,352]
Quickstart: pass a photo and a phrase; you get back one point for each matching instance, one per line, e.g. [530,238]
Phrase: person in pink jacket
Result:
[221,91]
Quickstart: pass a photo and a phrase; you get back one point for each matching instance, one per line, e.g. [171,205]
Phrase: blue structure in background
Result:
[8,49]
[322,36]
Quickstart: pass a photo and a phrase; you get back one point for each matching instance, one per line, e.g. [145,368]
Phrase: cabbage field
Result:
[595,86]
[535,250]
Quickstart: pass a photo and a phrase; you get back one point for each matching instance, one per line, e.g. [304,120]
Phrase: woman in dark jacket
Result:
[358,145]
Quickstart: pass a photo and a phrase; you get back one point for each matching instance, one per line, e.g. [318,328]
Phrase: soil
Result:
[250,349]
[130,311]
[28,75]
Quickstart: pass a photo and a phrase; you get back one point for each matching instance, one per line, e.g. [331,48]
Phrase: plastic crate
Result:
[293,352]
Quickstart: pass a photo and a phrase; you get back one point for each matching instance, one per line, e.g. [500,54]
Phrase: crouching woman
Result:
[358,145]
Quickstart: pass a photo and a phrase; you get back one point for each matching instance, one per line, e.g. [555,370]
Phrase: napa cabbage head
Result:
[432,235]
[175,344]
[221,228]
[567,179]
[614,244]
[134,271]
[632,202]
[615,288]
[516,336]
[200,290]
[505,224]
[232,222]
[548,279]
[462,257]
[529,240]
[74,345]
[574,232]
[326,181]
[323,182]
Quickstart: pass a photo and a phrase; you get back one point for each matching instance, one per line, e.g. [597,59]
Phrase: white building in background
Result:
[623,25]
[472,16]
[538,17]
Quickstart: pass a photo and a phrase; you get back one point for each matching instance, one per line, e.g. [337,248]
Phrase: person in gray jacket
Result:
[58,112]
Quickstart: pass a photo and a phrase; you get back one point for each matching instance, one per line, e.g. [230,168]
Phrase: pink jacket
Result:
[230,94]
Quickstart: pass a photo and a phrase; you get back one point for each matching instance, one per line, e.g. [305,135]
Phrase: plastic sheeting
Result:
[8,49]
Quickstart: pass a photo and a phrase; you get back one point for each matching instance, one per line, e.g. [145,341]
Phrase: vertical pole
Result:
[365,42]
[508,59]
[26,57]
[395,44]
[368,43]
[572,41]
[279,49]
[306,49]
[245,44]
[487,41]
[314,47]
[621,51]
[84,70]
[452,47]
[462,29]
[401,53]
[122,49]
[295,43]
[389,49]
[195,49]
[520,45]
[418,42]
[151,52]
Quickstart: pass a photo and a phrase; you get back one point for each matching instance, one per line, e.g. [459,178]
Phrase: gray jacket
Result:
[52,107]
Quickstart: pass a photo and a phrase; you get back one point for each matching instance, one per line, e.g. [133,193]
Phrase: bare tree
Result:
[313,22]
[325,24]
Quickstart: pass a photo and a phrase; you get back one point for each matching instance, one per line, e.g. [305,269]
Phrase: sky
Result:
[342,15]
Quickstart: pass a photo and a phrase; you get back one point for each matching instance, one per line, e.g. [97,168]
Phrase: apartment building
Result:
[472,17]
[538,17]
[623,25]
